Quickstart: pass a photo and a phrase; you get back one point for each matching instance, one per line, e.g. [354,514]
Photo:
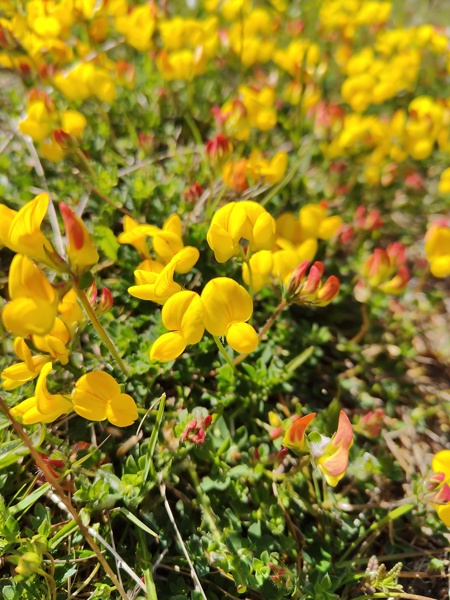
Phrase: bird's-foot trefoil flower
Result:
[43,407]
[227,307]
[97,396]
[240,220]
[182,314]
[34,301]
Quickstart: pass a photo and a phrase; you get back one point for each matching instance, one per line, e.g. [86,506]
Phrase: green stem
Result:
[223,352]
[99,329]
[364,327]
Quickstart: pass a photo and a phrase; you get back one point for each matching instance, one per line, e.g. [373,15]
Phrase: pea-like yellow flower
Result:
[55,342]
[183,315]
[240,220]
[227,307]
[438,486]
[97,396]
[159,286]
[70,311]
[43,407]
[257,273]
[271,171]
[437,249]
[314,222]
[137,26]
[33,303]
[166,241]
[25,371]
[81,250]
[181,65]
[20,231]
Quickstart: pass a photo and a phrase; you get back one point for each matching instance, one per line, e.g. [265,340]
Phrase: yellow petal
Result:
[441,463]
[242,337]
[168,346]
[183,312]
[25,316]
[122,411]
[224,302]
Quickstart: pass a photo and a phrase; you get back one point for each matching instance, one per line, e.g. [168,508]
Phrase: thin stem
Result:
[264,329]
[103,196]
[48,473]
[99,329]
[223,352]
[364,327]
[196,580]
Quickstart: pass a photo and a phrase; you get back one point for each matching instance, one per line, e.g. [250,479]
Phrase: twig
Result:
[196,580]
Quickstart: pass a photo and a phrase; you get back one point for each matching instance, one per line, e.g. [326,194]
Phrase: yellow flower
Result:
[237,220]
[181,64]
[43,407]
[70,311]
[22,233]
[167,242]
[183,315]
[270,171]
[33,300]
[159,286]
[54,343]
[227,306]
[258,275]
[444,182]
[437,250]
[81,250]
[25,371]
[39,122]
[97,396]
[315,224]
[260,106]
[137,26]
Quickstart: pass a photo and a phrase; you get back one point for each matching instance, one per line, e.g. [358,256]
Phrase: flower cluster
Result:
[45,315]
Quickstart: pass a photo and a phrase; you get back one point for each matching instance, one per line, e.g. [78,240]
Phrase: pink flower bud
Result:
[106,302]
[63,139]
[91,293]
[218,149]
[328,291]
[297,278]
[313,281]
[372,422]
[193,193]
[207,421]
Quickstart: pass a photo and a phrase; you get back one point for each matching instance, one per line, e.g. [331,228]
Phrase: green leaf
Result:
[106,241]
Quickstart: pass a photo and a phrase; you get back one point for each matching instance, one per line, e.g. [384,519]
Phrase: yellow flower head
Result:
[227,307]
[183,315]
[33,300]
[21,230]
[437,249]
[237,220]
[97,396]
[25,371]
[159,286]
[43,407]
